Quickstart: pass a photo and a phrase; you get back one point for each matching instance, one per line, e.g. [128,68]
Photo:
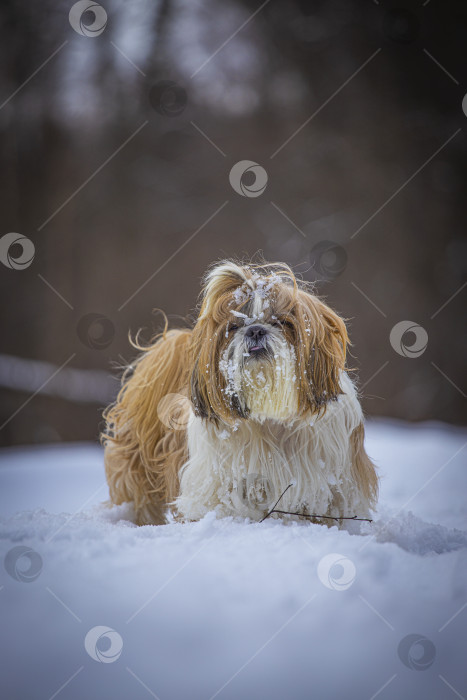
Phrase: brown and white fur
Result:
[254,398]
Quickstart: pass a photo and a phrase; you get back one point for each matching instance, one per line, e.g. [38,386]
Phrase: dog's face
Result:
[264,346]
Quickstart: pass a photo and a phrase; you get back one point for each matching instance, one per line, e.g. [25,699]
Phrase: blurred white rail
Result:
[72,384]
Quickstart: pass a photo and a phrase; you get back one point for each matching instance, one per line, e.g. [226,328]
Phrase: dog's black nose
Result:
[255,332]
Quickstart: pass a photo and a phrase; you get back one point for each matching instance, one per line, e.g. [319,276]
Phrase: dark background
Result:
[124,154]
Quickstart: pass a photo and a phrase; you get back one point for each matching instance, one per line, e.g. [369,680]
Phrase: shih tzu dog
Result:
[250,407]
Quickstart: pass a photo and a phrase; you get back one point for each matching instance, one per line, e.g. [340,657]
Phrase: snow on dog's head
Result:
[265,345]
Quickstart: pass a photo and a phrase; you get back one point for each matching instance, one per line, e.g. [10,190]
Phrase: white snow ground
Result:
[231,609]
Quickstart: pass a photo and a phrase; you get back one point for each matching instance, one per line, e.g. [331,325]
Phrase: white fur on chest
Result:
[243,470]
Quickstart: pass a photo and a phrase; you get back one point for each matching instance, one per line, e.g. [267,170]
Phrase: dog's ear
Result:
[209,394]
[325,339]
[211,404]
[198,394]
[327,356]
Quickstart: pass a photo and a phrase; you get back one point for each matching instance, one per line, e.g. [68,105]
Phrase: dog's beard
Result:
[261,383]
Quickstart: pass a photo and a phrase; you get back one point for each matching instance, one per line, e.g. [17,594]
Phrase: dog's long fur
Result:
[206,419]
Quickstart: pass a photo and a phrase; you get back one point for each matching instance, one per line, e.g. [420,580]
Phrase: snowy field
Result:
[230,609]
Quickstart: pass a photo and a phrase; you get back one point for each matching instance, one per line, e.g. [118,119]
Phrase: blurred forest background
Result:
[118,137]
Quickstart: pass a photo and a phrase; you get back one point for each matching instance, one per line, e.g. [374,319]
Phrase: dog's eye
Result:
[232,327]
[282,324]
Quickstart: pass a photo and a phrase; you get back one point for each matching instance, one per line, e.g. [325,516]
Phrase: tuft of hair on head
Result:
[225,276]
[220,279]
